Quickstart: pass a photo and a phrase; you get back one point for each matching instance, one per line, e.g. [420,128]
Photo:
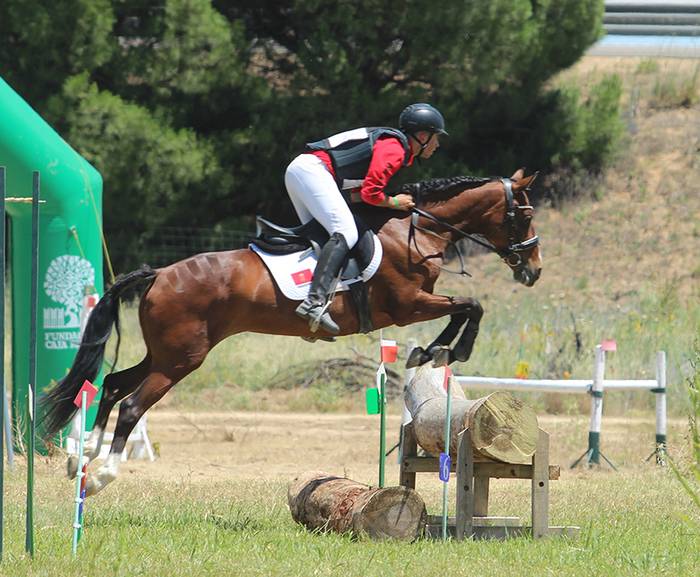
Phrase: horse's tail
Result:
[56,406]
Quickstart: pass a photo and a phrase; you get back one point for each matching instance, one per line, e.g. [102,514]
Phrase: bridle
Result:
[514,248]
[511,255]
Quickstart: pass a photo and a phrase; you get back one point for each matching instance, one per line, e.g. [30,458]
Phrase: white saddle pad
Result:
[293,272]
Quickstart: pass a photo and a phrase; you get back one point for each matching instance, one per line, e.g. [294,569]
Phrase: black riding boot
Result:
[328,266]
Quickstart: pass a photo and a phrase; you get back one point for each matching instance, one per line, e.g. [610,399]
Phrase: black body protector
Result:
[351,152]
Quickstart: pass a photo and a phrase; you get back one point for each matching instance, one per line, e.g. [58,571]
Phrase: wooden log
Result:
[502,427]
[320,501]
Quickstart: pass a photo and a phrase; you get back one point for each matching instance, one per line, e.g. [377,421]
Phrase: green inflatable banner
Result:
[70,247]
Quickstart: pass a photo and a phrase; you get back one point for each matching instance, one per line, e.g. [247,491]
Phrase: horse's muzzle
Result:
[526,275]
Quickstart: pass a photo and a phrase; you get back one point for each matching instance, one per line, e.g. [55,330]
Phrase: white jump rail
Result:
[594,387]
[583,386]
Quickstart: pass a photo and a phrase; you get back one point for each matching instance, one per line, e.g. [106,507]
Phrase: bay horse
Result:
[190,306]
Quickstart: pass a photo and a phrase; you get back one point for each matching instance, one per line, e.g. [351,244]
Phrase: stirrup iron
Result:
[314,323]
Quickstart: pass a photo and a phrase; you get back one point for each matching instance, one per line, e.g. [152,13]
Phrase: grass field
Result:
[214,503]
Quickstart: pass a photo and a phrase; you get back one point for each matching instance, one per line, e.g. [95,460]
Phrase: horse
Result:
[190,306]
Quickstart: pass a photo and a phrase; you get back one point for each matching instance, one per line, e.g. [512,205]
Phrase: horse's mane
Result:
[436,189]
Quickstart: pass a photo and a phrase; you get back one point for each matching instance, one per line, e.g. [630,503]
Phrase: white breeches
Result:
[315,194]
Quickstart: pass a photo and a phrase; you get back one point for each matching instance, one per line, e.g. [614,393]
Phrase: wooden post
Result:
[471,520]
[410,449]
[660,393]
[464,522]
[406,418]
[540,487]
[481,496]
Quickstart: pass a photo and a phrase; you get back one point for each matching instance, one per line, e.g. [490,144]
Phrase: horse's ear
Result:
[525,183]
[518,174]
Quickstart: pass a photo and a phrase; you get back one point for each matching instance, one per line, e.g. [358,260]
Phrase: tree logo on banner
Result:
[65,281]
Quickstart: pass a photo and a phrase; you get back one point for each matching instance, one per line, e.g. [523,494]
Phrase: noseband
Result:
[510,255]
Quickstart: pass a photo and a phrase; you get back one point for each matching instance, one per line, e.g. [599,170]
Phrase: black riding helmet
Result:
[421,116]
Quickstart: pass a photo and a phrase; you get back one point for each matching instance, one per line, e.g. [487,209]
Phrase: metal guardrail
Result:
[651,30]
[652,6]
[652,18]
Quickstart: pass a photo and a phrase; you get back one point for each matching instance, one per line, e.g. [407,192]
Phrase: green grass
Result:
[633,523]
[647,66]
[672,91]
[690,477]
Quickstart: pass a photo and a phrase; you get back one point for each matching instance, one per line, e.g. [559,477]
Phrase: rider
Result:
[364,159]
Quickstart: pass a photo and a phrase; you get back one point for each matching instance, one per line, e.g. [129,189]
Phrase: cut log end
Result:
[504,429]
[320,501]
[391,513]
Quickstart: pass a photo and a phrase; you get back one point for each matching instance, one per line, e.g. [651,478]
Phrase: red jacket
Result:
[387,158]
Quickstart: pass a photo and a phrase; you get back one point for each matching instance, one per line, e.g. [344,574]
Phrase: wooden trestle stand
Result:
[473,475]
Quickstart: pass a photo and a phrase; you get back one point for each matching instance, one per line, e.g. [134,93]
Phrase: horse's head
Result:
[512,232]
[497,210]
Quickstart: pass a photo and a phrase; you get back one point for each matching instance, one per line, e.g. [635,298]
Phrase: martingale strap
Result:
[412,236]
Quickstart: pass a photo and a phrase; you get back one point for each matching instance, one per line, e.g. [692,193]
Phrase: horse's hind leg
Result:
[116,386]
[151,390]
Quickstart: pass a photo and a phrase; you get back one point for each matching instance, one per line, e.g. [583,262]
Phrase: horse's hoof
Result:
[441,357]
[92,486]
[461,357]
[72,466]
[417,358]
[95,483]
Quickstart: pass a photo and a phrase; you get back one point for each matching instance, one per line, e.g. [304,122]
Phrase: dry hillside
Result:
[638,229]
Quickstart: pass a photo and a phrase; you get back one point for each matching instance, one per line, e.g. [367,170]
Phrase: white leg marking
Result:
[94,443]
[105,475]
[72,465]
[91,452]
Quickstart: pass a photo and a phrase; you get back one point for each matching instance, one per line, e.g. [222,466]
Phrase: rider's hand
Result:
[401,202]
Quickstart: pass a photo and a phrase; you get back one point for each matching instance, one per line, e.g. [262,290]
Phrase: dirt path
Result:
[208,446]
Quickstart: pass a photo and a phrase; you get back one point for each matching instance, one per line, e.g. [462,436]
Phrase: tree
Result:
[484,63]
[191,109]
[153,173]
[45,42]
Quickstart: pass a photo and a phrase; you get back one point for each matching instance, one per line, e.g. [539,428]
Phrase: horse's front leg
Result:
[427,306]
[463,349]
[420,356]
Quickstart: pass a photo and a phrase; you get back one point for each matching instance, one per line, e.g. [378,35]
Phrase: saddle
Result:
[276,239]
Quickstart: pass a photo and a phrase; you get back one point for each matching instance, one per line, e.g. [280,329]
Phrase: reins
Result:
[412,236]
